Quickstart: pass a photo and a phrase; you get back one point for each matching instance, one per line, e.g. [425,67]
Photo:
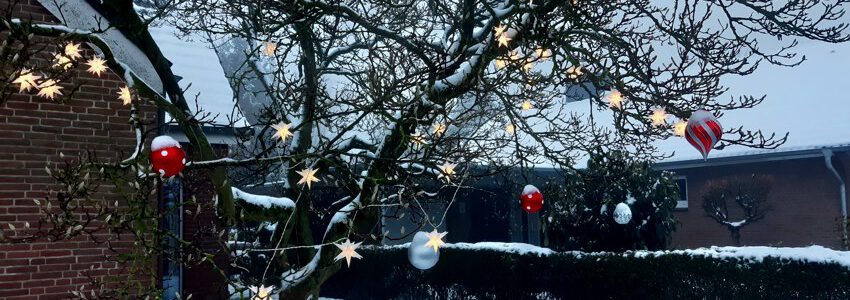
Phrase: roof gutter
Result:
[829,156]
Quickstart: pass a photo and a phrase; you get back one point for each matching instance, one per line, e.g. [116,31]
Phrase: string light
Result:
[308,176]
[504,40]
[49,89]
[72,51]
[96,65]
[680,127]
[435,239]
[347,249]
[499,30]
[658,117]
[26,80]
[282,131]
[125,95]
[615,99]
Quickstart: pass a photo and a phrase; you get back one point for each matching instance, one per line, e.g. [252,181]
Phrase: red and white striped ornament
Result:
[703,131]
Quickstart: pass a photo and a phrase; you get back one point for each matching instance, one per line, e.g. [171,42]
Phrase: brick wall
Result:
[805,206]
[34,130]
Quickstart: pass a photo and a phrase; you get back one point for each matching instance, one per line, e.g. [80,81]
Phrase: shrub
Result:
[385,273]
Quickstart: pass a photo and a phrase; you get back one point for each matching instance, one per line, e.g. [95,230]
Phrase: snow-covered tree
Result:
[373,96]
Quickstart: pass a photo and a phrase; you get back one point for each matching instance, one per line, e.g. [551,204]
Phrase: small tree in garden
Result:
[749,193]
[581,215]
[368,98]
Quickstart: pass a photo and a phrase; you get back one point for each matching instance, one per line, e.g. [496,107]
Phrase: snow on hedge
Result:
[810,254]
[264,201]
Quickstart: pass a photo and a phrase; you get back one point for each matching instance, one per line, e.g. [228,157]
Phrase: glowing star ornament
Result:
[439,128]
[499,30]
[49,89]
[418,139]
[447,170]
[658,117]
[261,292]
[282,131]
[504,40]
[680,127]
[574,72]
[435,240]
[167,156]
[531,200]
[269,48]
[420,256]
[72,51]
[347,249]
[308,176]
[27,80]
[61,61]
[125,95]
[527,105]
[96,66]
[703,131]
[615,99]
[622,214]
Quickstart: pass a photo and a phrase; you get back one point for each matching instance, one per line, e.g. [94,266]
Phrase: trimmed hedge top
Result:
[519,271]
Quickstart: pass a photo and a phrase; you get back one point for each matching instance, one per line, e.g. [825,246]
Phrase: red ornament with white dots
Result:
[531,199]
[167,157]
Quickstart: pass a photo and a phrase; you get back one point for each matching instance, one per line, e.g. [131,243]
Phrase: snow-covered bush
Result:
[581,214]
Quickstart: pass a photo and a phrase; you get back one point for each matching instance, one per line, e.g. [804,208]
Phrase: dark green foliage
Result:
[485,274]
[577,220]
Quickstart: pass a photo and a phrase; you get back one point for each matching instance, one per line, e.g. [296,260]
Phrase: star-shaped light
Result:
[26,80]
[261,292]
[96,65]
[439,128]
[418,139]
[543,53]
[504,40]
[49,89]
[615,99]
[435,239]
[308,176]
[125,95]
[510,129]
[72,51]
[347,251]
[269,48]
[499,30]
[527,105]
[680,127]
[574,72]
[658,117]
[61,61]
[447,170]
[282,131]
[500,63]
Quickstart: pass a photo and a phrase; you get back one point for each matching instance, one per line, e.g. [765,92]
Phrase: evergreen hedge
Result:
[385,273]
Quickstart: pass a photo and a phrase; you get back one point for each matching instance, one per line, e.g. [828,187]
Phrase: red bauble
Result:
[531,199]
[167,157]
[703,131]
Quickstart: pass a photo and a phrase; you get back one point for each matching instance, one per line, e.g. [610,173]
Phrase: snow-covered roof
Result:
[197,64]
[808,101]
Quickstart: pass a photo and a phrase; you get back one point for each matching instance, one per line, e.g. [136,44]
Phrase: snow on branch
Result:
[263,201]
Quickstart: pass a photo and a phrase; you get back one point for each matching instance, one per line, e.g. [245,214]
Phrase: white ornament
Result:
[622,214]
[420,256]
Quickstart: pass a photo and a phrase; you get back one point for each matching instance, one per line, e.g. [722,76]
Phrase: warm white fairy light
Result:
[527,105]
[282,131]
[261,292]
[308,176]
[510,128]
[96,65]
[439,128]
[574,72]
[49,89]
[504,40]
[418,139]
[347,249]
[615,99]
[680,127]
[72,51]
[27,80]
[447,170]
[499,30]
[61,61]
[658,117]
[435,239]
[269,48]
[125,95]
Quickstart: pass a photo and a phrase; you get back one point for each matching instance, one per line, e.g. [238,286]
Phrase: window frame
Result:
[682,204]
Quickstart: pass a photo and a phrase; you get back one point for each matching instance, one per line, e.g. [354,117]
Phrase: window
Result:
[682,182]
